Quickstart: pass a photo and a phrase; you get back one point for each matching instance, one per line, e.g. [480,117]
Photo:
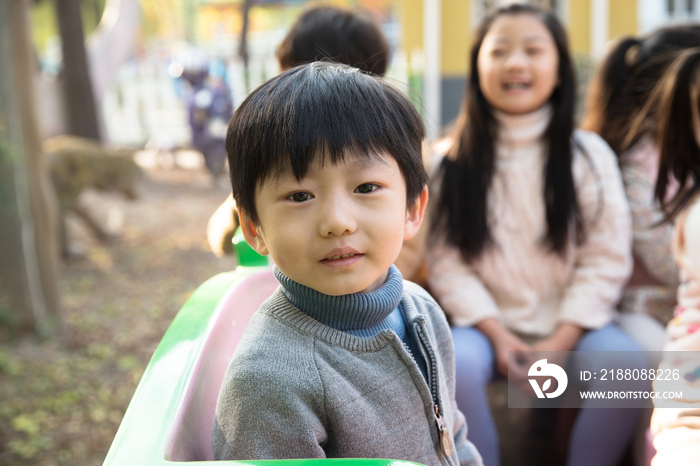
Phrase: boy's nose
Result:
[336,219]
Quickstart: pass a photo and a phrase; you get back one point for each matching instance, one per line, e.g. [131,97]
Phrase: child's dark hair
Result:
[677,96]
[324,110]
[626,79]
[343,36]
[468,169]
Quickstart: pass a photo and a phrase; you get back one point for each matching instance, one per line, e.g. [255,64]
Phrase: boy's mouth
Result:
[343,254]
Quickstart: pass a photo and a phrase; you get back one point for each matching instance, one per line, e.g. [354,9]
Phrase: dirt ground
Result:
[61,402]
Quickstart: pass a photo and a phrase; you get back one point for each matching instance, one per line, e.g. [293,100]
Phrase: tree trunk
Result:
[80,106]
[29,245]
[243,43]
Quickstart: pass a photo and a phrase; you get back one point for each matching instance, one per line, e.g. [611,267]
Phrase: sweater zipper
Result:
[442,430]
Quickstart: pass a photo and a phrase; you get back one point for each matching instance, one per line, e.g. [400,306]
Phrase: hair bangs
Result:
[343,117]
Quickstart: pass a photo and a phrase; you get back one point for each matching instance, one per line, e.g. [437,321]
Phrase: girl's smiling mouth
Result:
[515,85]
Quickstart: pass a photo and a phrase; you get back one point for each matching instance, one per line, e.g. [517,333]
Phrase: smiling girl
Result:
[531,227]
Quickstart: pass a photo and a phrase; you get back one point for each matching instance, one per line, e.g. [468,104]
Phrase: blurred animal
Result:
[78,163]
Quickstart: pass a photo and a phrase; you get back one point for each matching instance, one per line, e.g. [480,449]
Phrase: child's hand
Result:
[564,338]
[503,341]
[549,344]
[521,363]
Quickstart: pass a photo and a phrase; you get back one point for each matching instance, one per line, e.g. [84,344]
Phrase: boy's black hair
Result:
[321,109]
[467,171]
[337,34]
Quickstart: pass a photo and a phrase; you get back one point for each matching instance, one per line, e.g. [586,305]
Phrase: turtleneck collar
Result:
[522,130]
[346,312]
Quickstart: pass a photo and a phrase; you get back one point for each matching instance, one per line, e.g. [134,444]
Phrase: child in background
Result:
[336,34]
[621,88]
[321,33]
[345,359]
[677,100]
[531,229]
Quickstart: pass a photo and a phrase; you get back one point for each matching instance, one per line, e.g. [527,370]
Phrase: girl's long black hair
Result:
[625,81]
[678,97]
[467,170]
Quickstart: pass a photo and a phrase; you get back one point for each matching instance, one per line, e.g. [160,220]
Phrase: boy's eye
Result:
[366,188]
[498,52]
[533,51]
[300,197]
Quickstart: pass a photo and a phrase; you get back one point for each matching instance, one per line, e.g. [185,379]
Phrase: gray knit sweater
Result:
[297,388]
[361,314]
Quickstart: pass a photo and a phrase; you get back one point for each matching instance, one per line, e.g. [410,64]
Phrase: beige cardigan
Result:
[518,281]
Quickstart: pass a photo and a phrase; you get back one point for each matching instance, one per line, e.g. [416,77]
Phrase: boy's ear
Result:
[251,233]
[415,214]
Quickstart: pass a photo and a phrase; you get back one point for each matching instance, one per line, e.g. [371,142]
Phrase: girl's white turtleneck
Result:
[520,282]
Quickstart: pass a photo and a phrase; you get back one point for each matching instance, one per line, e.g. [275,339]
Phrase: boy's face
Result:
[338,229]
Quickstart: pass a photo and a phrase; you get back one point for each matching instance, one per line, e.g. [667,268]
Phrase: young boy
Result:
[321,33]
[345,359]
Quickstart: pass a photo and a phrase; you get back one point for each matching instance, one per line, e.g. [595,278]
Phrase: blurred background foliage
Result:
[43,17]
